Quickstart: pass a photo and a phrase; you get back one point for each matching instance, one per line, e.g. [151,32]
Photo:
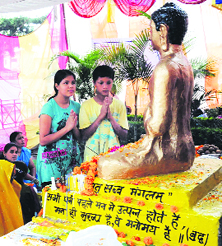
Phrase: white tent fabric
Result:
[8,6]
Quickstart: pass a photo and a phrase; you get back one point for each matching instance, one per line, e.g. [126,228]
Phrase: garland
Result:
[90,167]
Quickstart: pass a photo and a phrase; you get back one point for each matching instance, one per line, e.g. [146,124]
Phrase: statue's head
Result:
[175,18]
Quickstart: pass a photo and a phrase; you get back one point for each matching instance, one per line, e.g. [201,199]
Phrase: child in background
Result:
[103,118]
[10,152]
[28,198]
[58,151]
[24,155]
[113,92]
[10,207]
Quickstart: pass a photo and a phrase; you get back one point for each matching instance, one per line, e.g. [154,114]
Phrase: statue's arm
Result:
[160,106]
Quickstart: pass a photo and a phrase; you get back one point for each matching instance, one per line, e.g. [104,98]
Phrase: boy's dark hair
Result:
[21,171]
[103,71]
[13,136]
[175,18]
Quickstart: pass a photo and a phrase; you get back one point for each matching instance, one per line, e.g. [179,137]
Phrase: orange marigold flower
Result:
[85,166]
[174,209]
[46,188]
[122,235]
[127,199]
[93,166]
[183,244]
[88,181]
[113,198]
[148,240]
[136,238]
[87,192]
[88,185]
[62,188]
[77,170]
[197,148]
[141,203]
[116,231]
[90,173]
[130,243]
[95,159]
[93,171]
[40,213]
[165,244]
[159,206]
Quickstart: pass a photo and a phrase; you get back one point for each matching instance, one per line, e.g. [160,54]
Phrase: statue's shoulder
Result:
[162,67]
[172,62]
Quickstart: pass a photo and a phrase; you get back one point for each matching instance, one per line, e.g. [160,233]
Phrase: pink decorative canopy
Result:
[87,8]
[192,1]
[130,7]
[90,8]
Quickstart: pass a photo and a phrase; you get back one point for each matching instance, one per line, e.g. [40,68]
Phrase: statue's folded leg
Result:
[147,159]
[125,164]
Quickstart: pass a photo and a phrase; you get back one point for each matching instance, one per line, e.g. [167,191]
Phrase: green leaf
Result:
[203,67]
[140,42]
[144,14]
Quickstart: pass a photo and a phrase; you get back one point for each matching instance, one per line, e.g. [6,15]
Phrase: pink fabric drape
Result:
[58,45]
[25,78]
[87,8]
[192,1]
[130,7]
[90,8]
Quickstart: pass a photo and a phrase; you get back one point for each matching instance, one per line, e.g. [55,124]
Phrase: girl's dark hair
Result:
[13,136]
[8,146]
[59,76]
[175,18]
[103,71]
[6,149]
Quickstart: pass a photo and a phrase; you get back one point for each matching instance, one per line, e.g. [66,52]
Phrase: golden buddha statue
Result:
[168,144]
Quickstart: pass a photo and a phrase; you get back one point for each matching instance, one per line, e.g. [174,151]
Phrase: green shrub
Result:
[140,131]
[213,112]
[204,130]
[206,122]
[131,117]
[205,135]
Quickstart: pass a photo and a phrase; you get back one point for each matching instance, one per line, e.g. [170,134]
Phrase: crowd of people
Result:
[63,123]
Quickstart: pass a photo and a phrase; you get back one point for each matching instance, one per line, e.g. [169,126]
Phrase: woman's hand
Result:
[46,137]
[71,121]
[75,117]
